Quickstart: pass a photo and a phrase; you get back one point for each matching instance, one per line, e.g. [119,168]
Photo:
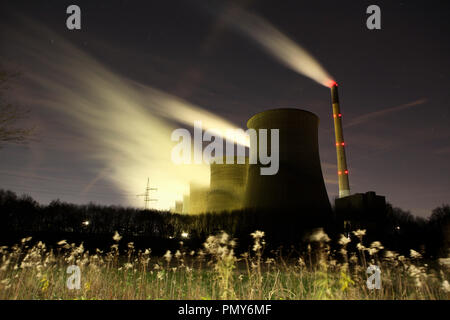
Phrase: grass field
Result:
[215,272]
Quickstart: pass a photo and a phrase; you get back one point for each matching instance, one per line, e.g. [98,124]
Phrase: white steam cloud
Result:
[129,124]
[279,46]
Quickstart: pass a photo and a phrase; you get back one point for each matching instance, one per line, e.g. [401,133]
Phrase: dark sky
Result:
[394,86]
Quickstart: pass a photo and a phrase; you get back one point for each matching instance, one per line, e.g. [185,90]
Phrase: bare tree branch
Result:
[10,115]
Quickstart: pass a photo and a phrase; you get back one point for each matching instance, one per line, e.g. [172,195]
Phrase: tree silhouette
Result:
[10,115]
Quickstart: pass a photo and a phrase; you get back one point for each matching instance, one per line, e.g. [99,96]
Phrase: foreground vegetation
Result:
[93,225]
[215,272]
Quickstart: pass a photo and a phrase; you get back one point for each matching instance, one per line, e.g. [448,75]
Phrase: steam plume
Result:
[128,124]
[279,46]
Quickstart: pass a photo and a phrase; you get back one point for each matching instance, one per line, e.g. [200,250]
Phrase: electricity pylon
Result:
[146,195]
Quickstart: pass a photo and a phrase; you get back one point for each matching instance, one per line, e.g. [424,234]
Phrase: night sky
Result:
[393,85]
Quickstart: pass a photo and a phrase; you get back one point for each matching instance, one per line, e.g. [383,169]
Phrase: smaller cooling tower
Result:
[298,186]
[227,185]
[185,204]
[178,207]
[198,198]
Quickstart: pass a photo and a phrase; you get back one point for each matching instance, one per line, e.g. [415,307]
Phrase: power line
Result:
[57,194]
[56,180]
[69,179]
[62,190]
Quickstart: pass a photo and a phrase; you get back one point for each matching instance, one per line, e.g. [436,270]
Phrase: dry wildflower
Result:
[377,245]
[319,236]
[414,254]
[178,254]
[391,255]
[62,243]
[353,258]
[168,256]
[301,262]
[160,275]
[343,241]
[257,234]
[128,266]
[156,266]
[25,265]
[359,233]
[446,286]
[224,237]
[26,239]
[79,250]
[374,247]
[418,273]
[257,246]
[5,265]
[116,237]
[445,262]
[192,252]
[258,242]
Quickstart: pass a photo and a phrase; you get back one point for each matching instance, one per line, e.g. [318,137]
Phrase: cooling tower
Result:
[198,198]
[227,185]
[178,207]
[299,183]
[185,204]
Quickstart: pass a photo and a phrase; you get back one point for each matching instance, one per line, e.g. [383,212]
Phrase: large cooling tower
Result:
[299,183]
[227,186]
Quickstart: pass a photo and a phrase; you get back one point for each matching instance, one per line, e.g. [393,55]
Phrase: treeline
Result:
[94,225]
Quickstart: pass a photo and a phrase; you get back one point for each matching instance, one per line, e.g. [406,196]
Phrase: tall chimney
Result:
[344,186]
